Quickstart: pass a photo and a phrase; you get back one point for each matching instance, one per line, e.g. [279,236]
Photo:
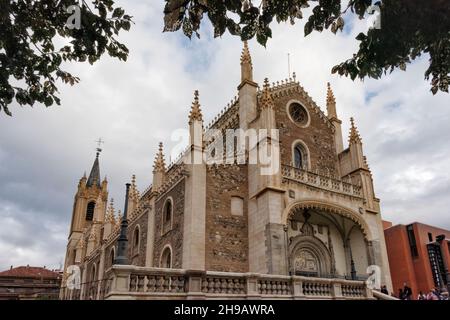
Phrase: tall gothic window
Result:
[300,156]
[90,211]
[168,211]
[166,258]
[112,256]
[136,239]
[167,216]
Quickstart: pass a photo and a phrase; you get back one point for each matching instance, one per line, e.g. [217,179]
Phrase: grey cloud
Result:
[134,105]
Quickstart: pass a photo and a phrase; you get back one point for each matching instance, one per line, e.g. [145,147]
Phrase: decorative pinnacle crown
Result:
[160,164]
[245,56]
[196,112]
[266,99]
[330,95]
[354,134]
[110,212]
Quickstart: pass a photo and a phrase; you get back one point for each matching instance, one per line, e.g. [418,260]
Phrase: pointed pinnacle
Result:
[245,56]
[196,112]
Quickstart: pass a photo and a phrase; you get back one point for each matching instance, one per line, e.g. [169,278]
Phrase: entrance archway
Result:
[309,257]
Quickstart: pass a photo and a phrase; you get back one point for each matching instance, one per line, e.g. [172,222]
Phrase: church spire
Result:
[196,112]
[354,134]
[159,164]
[246,64]
[331,103]
[94,176]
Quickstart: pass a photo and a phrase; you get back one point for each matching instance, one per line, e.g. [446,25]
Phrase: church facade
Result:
[316,216]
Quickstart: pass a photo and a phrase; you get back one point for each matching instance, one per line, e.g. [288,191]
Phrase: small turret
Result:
[159,169]
[246,64]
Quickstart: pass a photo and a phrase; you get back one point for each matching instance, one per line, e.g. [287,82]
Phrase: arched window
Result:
[94,273]
[168,211]
[167,216]
[90,211]
[300,156]
[166,258]
[136,238]
[112,256]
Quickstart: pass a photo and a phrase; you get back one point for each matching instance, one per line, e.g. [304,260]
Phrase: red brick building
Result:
[29,283]
[419,255]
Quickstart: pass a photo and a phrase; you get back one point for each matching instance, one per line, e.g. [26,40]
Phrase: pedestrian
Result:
[421,296]
[400,294]
[407,292]
[384,290]
[432,295]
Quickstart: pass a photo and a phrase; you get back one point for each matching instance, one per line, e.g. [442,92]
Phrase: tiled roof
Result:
[29,272]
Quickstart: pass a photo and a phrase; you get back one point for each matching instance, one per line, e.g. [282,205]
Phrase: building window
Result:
[437,264]
[237,206]
[430,237]
[298,114]
[112,256]
[412,241]
[300,156]
[166,258]
[167,216]
[136,239]
[94,273]
[90,211]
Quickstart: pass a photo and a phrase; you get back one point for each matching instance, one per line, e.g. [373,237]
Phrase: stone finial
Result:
[93,233]
[266,98]
[110,213]
[354,134]
[196,112]
[246,64]
[160,164]
[331,102]
[330,95]
[133,189]
[119,218]
[245,56]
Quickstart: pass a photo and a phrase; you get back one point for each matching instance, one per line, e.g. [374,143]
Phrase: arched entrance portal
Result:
[309,257]
[325,244]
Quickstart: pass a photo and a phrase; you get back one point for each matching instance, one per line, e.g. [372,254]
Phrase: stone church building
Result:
[309,230]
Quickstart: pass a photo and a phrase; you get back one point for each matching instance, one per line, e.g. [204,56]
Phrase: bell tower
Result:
[89,208]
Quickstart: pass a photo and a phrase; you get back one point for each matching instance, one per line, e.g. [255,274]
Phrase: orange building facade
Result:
[419,255]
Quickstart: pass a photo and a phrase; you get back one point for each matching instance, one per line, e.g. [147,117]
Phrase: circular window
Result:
[298,114]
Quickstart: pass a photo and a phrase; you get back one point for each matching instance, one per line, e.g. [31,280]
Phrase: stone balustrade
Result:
[131,282]
[320,181]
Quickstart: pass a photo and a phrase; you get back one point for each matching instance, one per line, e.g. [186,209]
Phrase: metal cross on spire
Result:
[99,144]
[289,64]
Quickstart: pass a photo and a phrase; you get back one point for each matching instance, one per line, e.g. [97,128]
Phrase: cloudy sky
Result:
[134,105]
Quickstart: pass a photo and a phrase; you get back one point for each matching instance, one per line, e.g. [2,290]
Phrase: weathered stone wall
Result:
[226,234]
[136,254]
[174,237]
[317,136]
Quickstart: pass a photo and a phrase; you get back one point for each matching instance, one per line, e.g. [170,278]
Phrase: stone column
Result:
[194,284]
[194,227]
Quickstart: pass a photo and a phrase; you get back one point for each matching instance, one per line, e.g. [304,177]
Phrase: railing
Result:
[381,296]
[320,181]
[131,282]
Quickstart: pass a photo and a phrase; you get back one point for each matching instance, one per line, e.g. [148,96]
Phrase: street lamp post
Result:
[122,242]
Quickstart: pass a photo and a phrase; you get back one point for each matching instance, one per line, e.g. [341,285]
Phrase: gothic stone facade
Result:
[316,216]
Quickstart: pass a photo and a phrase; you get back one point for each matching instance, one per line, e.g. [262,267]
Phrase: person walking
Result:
[421,296]
[432,295]
[407,292]
[400,294]
[384,289]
